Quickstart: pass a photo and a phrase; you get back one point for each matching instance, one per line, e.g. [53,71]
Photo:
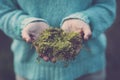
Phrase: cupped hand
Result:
[76,25]
[31,33]
[32,30]
[79,26]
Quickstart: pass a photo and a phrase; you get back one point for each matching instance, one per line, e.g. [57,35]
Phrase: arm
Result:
[13,19]
[99,17]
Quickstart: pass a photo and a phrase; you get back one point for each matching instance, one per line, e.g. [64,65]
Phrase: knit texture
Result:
[16,14]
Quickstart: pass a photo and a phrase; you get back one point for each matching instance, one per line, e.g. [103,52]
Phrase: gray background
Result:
[112,52]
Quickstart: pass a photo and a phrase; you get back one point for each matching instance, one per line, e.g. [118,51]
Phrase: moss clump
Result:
[54,42]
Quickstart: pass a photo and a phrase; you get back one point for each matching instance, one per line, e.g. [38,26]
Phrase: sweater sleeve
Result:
[99,16]
[13,19]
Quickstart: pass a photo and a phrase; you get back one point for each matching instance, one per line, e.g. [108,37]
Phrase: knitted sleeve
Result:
[13,19]
[99,16]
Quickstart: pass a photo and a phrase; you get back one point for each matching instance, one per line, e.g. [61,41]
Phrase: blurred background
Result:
[112,52]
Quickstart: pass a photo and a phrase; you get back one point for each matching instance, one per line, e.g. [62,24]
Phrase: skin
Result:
[76,25]
[32,31]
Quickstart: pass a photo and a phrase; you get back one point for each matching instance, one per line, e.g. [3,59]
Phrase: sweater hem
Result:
[52,72]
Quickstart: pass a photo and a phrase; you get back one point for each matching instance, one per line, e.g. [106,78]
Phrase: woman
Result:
[21,19]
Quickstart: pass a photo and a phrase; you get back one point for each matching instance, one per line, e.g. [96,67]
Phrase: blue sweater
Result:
[16,14]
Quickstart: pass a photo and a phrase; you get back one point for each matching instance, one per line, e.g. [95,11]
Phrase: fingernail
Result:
[46,58]
[53,60]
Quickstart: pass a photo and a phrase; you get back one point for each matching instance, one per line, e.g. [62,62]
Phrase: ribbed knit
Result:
[16,14]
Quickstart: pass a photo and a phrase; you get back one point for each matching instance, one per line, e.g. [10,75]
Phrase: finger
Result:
[53,59]
[33,36]
[26,36]
[87,33]
[46,58]
[79,31]
[66,27]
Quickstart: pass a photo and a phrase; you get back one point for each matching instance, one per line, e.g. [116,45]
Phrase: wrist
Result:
[77,15]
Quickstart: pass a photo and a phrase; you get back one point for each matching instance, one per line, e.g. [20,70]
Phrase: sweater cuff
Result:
[77,15]
[27,21]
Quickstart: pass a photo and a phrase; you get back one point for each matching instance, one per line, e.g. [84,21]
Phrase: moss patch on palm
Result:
[54,42]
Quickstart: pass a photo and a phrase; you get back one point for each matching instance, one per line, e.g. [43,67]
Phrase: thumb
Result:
[26,36]
[87,33]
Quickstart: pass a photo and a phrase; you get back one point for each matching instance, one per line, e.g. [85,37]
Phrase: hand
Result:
[32,31]
[75,25]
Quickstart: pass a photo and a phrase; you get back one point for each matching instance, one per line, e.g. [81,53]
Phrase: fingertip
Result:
[85,37]
[53,60]
[28,40]
[46,58]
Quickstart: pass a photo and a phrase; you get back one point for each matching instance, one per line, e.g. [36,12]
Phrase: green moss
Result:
[54,42]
